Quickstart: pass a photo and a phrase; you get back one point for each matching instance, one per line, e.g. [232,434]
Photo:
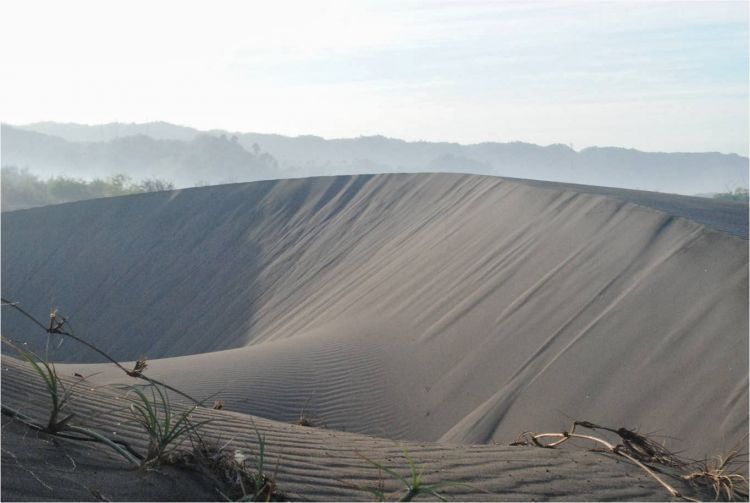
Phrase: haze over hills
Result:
[434,307]
[375,250]
[186,156]
[202,159]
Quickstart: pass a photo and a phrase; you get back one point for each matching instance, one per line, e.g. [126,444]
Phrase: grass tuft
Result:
[304,419]
[414,483]
[166,428]
[59,395]
[722,475]
[236,477]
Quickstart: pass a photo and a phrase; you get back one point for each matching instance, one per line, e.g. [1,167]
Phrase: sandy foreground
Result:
[310,464]
[443,313]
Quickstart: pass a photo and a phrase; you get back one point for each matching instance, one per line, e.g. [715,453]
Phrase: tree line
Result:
[23,189]
[739,194]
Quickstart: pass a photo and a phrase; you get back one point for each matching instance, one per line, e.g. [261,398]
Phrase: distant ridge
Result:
[201,159]
[301,156]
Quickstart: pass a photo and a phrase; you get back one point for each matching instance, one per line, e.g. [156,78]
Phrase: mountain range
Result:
[188,156]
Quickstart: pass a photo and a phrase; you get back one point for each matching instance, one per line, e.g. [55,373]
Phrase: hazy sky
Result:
[669,76]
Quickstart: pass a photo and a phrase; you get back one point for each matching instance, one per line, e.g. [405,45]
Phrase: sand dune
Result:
[446,308]
[310,464]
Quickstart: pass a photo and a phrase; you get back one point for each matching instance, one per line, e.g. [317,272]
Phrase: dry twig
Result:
[635,447]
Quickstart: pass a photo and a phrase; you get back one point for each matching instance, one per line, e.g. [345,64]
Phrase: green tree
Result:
[21,189]
[154,185]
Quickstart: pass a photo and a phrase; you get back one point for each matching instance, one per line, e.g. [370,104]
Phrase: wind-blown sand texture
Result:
[309,464]
[454,309]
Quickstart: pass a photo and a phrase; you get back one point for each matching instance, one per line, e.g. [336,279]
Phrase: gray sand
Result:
[308,464]
[446,308]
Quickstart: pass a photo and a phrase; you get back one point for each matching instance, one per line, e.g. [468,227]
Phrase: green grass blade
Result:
[436,494]
[101,438]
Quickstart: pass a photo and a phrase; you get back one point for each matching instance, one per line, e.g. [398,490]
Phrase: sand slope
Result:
[309,463]
[452,308]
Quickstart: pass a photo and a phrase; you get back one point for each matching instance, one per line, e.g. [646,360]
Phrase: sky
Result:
[656,76]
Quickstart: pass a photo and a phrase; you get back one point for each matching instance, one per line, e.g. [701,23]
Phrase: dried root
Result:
[635,447]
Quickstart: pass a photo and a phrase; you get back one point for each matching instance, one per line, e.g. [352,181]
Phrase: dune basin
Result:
[366,327]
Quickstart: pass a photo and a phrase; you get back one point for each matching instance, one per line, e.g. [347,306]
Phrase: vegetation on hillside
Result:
[23,189]
[739,194]
[185,155]
[215,159]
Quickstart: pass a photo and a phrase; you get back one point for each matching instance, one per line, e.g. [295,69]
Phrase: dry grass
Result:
[304,419]
[138,368]
[721,473]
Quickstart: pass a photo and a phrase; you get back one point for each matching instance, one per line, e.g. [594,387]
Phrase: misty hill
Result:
[685,173]
[107,132]
[203,158]
[375,301]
